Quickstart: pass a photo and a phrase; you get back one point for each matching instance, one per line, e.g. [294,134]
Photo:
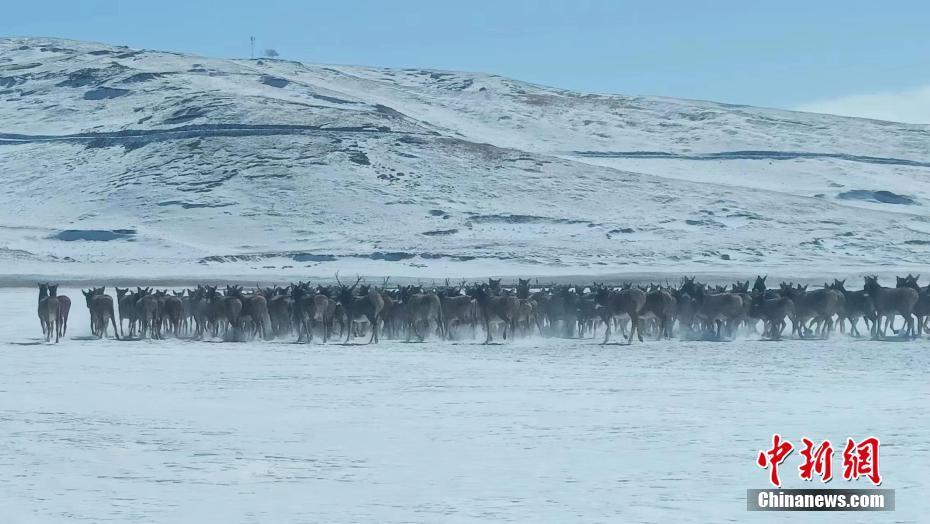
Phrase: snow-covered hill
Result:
[126,162]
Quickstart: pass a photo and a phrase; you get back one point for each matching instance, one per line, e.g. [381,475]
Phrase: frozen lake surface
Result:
[537,430]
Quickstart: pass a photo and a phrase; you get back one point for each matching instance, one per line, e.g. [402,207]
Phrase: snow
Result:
[220,173]
[534,430]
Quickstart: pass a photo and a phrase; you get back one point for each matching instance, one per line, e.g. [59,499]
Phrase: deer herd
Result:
[691,310]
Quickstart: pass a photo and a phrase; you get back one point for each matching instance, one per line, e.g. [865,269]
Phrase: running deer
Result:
[858,304]
[494,307]
[424,311]
[100,306]
[64,309]
[628,303]
[48,313]
[922,307]
[365,307]
[890,302]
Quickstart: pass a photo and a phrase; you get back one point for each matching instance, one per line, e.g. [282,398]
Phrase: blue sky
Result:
[845,56]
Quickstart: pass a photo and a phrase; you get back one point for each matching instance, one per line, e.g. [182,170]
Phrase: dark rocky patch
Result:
[91,76]
[409,139]
[10,81]
[389,111]
[747,215]
[53,49]
[190,205]
[103,93]
[440,232]
[274,81]
[359,158]
[142,77]
[331,99]
[918,242]
[94,235]
[20,67]
[395,256]
[457,258]
[522,219]
[706,222]
[883,197]
[184,115]
[302,256]
[128,54]
[310,257]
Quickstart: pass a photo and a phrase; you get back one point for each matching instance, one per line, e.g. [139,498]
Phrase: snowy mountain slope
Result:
[112,157]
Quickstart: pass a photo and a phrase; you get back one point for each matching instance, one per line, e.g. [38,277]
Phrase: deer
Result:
[367,307]
[817,306]
[280,309]
[310,309]
[457,309]
[718,309]
[493,307]
[64,309]
[888,303]
[200,311]
[627,302]
[857,304]
[224,311]
[773,311]
[48,311]
[423,310]
[100,306]
[922,307]
[661,305]
[254,311]
[127,311]
[528,310]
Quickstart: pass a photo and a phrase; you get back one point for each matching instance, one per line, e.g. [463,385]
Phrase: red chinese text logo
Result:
[819,461]
[859,460]
[775,456]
